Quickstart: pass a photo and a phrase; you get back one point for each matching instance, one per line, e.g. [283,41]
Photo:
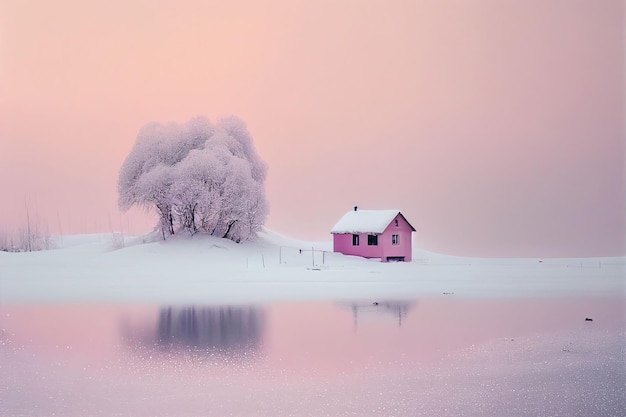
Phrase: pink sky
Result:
[496,126]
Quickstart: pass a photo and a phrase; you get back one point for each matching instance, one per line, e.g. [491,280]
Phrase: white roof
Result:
[365,221]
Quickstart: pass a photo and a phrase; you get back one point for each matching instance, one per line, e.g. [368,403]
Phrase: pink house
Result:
[383,234]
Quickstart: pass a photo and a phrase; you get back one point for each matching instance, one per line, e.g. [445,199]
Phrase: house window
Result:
[396,222]
[372,240]
[395,239]
[355,240]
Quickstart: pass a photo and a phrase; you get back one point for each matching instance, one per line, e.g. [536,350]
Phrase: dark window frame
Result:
[395,239]
[355,240]
[372,240]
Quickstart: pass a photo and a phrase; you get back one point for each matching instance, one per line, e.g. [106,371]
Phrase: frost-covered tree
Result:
[197,177]
[236,129]
[154,190]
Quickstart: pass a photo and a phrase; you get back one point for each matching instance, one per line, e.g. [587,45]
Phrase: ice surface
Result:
[448,357]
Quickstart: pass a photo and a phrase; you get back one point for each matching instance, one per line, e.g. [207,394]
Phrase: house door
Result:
[395,258]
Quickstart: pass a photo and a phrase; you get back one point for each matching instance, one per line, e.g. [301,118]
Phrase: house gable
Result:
[401,221]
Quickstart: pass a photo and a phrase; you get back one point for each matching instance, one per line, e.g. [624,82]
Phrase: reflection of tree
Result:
[220,328]
[226,331]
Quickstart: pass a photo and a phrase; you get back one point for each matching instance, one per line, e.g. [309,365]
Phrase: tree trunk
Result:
[167,220]
[230,225]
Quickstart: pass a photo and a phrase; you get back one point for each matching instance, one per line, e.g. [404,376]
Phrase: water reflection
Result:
[398,309]
[224,329]
[69,360]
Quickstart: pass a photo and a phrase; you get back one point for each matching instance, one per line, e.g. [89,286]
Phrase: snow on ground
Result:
[551,362]
[185,269]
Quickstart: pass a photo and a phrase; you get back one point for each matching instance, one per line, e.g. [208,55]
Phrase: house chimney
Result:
[356,208]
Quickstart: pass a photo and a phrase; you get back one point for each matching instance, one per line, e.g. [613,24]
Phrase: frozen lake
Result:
[444,356]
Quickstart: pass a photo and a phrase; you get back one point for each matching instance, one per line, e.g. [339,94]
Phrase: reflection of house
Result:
[220,328]
[383,234]
[397,309]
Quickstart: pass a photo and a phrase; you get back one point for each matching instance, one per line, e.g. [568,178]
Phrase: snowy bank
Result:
[205,269]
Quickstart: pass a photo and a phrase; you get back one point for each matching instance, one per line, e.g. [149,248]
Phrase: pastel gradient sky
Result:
[496,126]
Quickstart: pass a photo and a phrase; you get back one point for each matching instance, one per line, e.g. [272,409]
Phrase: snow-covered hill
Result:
[202,269]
